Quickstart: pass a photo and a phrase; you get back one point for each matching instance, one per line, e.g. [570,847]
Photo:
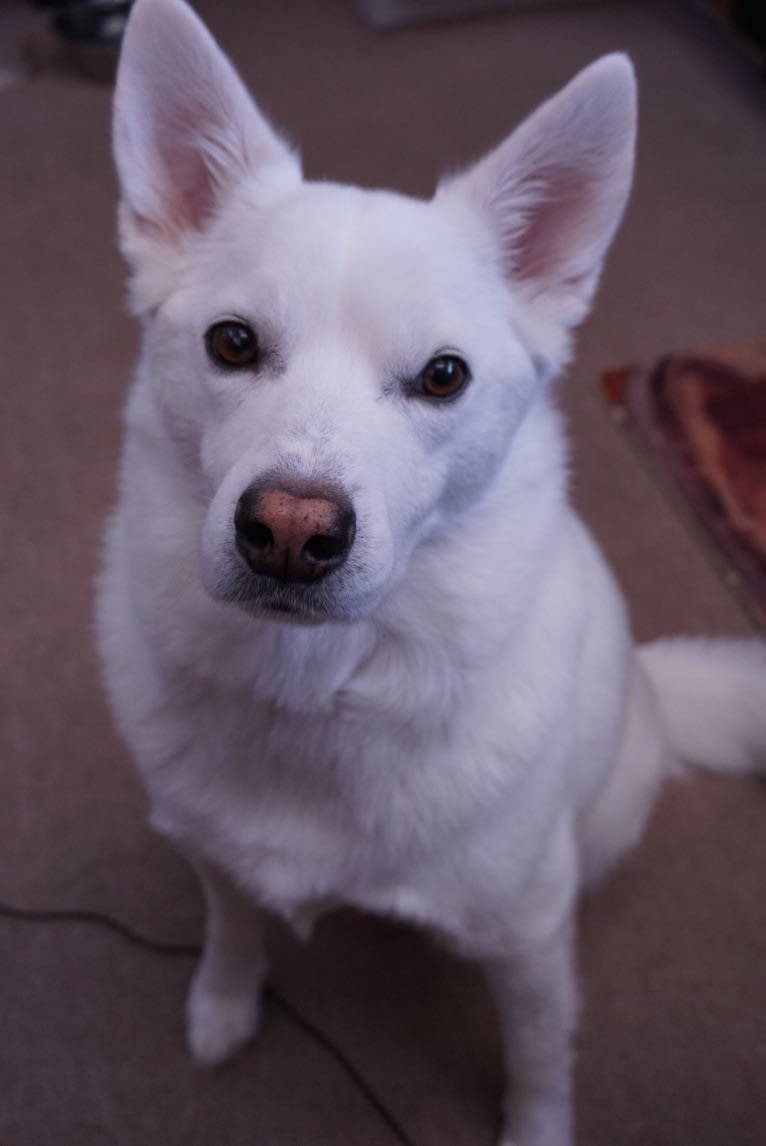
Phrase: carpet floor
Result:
[672,1049]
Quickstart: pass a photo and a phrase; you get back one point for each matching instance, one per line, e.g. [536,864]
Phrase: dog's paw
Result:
[539,1122]
[217,1026]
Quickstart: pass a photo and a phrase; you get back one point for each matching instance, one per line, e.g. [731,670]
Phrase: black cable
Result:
[160,947]
[98,919]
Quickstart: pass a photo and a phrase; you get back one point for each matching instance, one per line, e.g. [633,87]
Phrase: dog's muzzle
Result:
[294,533]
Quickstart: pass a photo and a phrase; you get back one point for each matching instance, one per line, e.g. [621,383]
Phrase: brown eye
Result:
[444,377]
[232,345]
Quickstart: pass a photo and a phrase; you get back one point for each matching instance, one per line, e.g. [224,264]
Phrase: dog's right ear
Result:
[185,130]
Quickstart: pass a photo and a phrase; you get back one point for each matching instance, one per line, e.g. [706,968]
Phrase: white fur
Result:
[712,696]
[455,731]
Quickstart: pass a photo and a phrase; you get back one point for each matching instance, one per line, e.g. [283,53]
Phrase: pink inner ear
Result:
[166,155]
[552,235]
[185,144]
[190,191]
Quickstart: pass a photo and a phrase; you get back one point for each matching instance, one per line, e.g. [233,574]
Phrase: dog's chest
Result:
[310,812]
[300,808]
[296,856]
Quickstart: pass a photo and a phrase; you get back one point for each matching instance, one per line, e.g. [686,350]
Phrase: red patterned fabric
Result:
[705,416]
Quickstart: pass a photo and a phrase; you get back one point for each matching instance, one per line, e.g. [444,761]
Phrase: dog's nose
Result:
[296,534]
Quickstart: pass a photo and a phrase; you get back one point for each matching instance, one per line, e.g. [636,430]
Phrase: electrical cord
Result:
[159,947]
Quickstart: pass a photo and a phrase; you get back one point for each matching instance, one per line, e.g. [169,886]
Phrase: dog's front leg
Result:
[535,987]
[536,993]
[223,1004]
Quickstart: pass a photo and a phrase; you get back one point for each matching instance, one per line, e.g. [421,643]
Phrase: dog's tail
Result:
[712,694]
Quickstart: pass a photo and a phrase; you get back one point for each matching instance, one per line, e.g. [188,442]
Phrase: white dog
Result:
[360,646]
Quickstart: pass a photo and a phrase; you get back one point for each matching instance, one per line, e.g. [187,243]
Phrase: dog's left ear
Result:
[554,192]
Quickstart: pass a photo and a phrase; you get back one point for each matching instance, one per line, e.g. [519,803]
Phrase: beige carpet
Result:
[673,1043]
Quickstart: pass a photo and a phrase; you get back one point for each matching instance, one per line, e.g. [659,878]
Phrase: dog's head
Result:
[340,373]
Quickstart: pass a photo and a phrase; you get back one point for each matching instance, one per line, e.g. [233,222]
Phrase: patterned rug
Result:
[700,421]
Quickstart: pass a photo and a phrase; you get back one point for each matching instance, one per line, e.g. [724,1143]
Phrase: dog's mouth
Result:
[284,611]
[281,604]
[280,601]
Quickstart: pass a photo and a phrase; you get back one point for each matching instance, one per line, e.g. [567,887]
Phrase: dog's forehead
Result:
[349,238]
[378,265]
